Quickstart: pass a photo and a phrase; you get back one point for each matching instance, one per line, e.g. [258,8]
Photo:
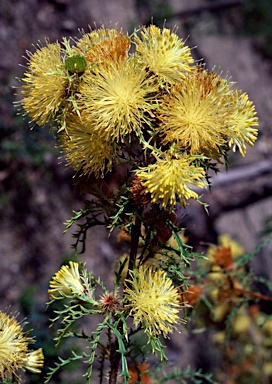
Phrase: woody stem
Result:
[115,357]
[135,236]
[114,354]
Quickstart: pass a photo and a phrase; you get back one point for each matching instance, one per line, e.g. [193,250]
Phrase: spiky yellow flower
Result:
[14,352]
[163,53]
[34,361]
[102,44]
[45,83]
[242,119]
[194,113]
[66,281]
[154,301]
[169,178]
[117,99]
[13,345]
[85,150]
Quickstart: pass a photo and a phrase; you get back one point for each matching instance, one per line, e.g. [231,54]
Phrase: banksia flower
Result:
[194,113]
[163,53]
[117,99]
[169,179]
[102,44]
[85,150]
[153,300]
[13,345]
[242,119]
[14,354]
[112,49]
[67,281]
[45,83]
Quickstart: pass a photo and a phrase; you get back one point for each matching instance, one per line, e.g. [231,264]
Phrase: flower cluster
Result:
[150,107]
[14,349]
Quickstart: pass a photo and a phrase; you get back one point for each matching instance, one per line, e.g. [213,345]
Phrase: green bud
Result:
[76,64]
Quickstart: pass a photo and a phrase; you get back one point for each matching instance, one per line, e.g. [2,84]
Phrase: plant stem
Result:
[115,356]
[135,236]
[114,362]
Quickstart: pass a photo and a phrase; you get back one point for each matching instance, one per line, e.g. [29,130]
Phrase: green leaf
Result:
[62,363]
[121,349]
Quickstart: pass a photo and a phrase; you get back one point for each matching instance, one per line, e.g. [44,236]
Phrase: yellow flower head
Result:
[66,281]
[13,345]
[117,99]
[163,53]
[102,44]
[241,120]
[85,150]
[34,361]
[154,301]
[194,113]
[14,352]
[45,83]
[169,178]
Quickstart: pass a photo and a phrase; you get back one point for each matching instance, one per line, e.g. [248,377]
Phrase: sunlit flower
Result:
[34,361]
[14,352]
[117,99]
[102,44]
[66,281]
[13,345]
[154,301]
[169,178]
[194,113]
[163,53]
[45,83]
[85,150]
[242,119]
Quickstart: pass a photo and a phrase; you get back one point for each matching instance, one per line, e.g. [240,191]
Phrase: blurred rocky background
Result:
[36,188]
